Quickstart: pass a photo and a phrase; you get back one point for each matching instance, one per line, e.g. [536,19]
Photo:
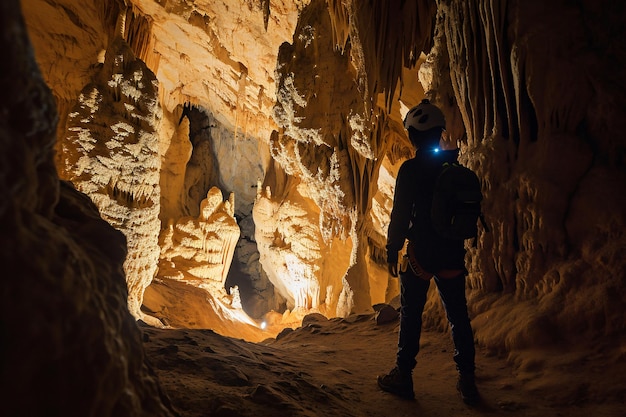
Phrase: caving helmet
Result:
[424,116]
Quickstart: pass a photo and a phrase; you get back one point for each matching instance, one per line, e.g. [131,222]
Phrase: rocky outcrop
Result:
[201,249]
[110,152]
[325,142]
[69,344]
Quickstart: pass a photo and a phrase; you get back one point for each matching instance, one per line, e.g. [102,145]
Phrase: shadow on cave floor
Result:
[329,368]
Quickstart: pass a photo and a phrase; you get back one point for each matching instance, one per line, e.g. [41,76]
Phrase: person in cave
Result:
[428,256]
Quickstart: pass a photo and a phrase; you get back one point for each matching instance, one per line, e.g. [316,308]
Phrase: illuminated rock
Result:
[322,91]
[200,250]
[109,152]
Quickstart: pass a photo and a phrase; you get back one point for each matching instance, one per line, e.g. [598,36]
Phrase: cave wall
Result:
[538,88]
[532,93]
[174,151]
[69,344]
[326,147]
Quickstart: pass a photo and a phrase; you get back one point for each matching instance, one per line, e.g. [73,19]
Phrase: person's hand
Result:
[393,269]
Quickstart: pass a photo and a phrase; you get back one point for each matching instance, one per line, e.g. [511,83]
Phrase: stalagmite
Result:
[110,153]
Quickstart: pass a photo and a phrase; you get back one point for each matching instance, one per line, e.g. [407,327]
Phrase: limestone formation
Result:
[110,153]
[200,250]
[297,110]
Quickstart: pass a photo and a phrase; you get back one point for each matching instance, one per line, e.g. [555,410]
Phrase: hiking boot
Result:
[466,385]
[397,382]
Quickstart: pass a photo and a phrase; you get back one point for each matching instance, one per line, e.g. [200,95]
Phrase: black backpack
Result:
[456,205]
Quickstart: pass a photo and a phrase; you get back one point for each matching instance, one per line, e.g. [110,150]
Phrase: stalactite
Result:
[340,22]
[138,34]
[384,36]
[265,6]
[120,24]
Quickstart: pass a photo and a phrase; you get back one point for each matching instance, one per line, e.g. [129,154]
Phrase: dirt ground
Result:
[329,368]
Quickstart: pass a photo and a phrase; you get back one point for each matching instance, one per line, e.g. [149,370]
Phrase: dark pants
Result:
[413,298]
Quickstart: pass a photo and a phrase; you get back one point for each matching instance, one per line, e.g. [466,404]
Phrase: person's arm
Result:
[400,217]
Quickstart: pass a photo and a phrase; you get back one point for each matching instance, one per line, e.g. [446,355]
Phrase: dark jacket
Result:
[410,217]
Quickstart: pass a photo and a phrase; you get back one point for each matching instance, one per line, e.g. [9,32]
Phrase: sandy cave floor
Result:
[329,368]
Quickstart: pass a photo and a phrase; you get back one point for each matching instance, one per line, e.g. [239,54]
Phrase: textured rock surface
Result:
[532,92]
[69,344]
[316,146]
[201,248]
[109,152]
[198,251]
[540,131]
